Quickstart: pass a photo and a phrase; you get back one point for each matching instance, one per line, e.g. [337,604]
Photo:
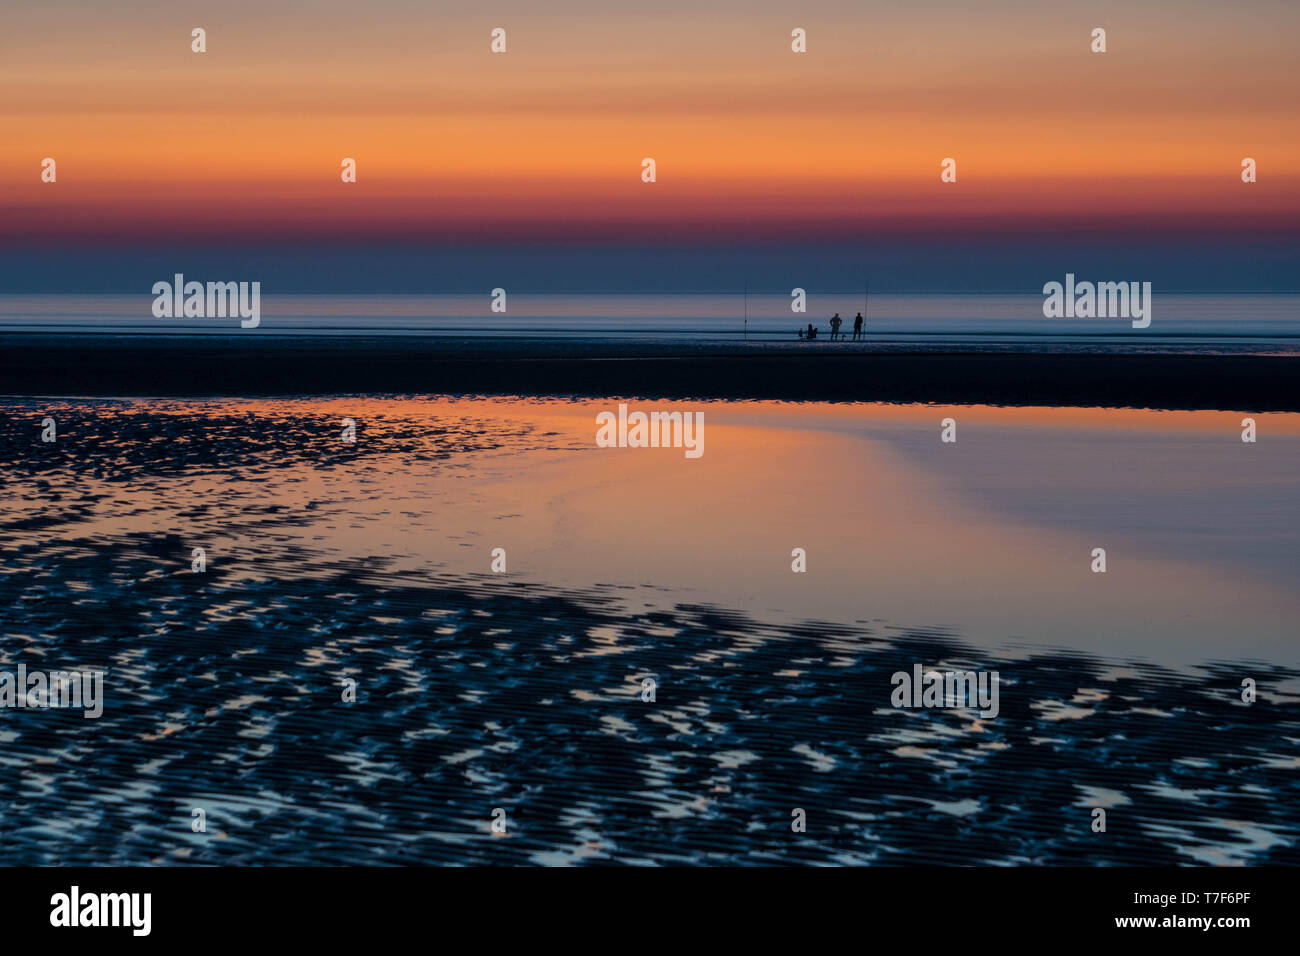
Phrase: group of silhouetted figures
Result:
[810,333]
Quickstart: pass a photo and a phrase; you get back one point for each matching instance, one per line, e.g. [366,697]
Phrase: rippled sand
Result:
[479,691]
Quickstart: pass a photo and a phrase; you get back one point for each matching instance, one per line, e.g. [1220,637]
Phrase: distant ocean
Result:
[1238,323]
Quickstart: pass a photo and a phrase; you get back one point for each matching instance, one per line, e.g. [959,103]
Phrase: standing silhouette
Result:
[857,327]
[836,322]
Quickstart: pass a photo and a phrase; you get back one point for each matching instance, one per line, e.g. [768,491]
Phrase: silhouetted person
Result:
[836,322]
[857,327]
[812,331]
[801,335]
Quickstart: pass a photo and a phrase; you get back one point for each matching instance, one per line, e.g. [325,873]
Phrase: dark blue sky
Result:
[1189,263]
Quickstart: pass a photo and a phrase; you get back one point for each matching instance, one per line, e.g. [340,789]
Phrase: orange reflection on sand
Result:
[899,531]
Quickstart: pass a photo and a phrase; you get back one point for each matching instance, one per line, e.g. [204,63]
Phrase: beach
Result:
[1028,374]
[371,561]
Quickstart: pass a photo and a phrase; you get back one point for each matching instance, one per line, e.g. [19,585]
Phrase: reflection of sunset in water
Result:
[369,561]
[990,536]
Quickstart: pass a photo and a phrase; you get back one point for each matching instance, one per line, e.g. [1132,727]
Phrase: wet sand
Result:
[522,690]
[269,364]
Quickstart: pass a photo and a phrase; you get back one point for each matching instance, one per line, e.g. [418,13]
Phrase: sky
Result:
[772,167]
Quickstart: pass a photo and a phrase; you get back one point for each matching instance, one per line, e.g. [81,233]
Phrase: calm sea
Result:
[1266,323]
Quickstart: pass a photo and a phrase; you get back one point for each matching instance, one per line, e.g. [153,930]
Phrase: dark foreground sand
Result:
[223,689]
[265,365]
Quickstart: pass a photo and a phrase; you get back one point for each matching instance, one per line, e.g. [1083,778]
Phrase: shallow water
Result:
[521,690]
